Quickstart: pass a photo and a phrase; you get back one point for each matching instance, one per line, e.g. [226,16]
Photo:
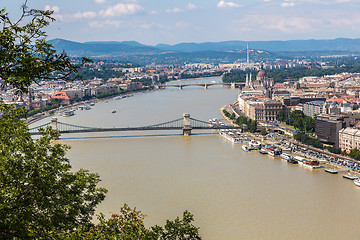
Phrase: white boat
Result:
[68,113]
[331,170]
[357,182]
[84,107]
[113,111]
[263,151]
[232,137]
[245,148]
[350,176]
[254,144]
[285,156]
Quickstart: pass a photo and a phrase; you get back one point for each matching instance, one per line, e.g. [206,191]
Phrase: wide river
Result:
[232,194]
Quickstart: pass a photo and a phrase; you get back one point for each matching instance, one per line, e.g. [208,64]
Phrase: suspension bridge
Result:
[204,85]
[186,124]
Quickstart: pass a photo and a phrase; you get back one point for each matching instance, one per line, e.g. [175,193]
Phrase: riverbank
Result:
[333,158]
[37,117]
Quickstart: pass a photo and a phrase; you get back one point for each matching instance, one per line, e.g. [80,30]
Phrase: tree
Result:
[280,116]
[263,132]
[40,195]
[25,56]
[355,153]
[129,224]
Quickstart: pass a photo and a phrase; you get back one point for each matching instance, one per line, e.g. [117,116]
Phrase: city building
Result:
[349,138]
[327,127]
[313,108]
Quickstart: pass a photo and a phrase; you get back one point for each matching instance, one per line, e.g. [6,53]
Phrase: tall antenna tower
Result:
[248,54]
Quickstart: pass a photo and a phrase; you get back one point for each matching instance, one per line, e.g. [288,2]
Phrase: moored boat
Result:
[113,111]
[292,161]
[68,113]
[357,182]
[245,148]
[311,164]
[331,170]
[350,176]
[285,156]
[263,151]
[253,144]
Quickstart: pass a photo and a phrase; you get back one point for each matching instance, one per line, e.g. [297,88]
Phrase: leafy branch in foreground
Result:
[129,224]
[25,56]
[40,196]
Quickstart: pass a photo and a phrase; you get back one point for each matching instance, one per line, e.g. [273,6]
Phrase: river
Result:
[232,194]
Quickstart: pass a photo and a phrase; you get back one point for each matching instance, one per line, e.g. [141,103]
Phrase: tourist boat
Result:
[272,151]
[350,176]
[299,159]
[311,164]
[254,144]
[245,148]
[84,107]
[357,182]
[68,113]
[292,161]
[285,156]
[263,151]
[232,136]
[331,170]
[113,111]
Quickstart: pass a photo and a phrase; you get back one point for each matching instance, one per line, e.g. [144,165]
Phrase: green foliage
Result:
[251,125]
[302,137]
[129,224]
[25,55]
[40,196]
[264,132]
[355,153]
[281,116]
[145,81]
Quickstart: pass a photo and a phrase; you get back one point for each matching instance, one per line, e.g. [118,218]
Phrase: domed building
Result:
[262,80]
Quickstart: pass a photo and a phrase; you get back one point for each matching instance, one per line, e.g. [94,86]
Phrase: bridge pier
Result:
[233,85]
[54,125]
[180,87]
[206,86]
[186,126]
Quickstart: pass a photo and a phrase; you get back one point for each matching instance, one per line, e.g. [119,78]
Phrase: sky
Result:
[175,21]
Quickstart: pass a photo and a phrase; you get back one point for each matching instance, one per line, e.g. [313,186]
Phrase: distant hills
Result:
[189,52]
[339,44]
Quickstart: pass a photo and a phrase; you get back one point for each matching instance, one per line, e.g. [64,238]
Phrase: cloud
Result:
[283,24]
[121,9]
[181,25]
[288,4]
[56,9]
[223,4]
[100,1]
[174,10]
[86,15]
[191,6]
[105,24]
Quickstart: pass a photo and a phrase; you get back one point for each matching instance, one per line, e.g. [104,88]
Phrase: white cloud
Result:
[181,25]
[288,4]
[121,9]
[191,6]
[105,24]
[283,24]
[86,15]
[223,4]
[56,9]
[174,10]
[101,1]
